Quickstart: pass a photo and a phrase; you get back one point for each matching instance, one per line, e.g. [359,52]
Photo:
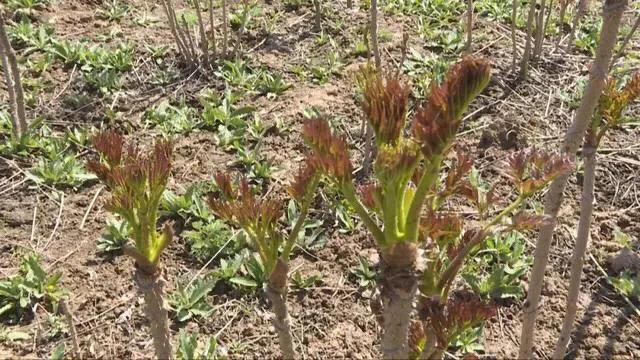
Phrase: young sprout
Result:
[136,180]
[407,193]
[259,218]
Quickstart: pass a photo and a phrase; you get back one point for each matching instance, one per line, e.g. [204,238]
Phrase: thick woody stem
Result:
[612,13]
[277,294]
[204,41]
[318,16]
[398,288]
[579,251]
[212,23]
[151,285]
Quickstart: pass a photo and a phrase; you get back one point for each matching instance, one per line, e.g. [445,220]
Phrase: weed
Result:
[251,274]
[62,170]
[115,237]
[189,206]
[189,348]
[114,11]
[32,285]
[172,119]
[364,274]
[189,300]
[209,238]
[312,236]
[304,283]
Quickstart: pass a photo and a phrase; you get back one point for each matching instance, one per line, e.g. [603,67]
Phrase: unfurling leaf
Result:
[437,121]
[532,169]
[330,153]
[385,104]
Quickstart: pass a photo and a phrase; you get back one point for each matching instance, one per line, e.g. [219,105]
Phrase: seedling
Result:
[259,219]
[137,181]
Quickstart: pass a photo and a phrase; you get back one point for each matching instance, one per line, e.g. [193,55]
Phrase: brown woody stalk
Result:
[514,45]
[225,30]
[612,13]
[580,249]
[318,16]
[151,285]
[14,84]
[469,26]
[192,44]
[582,8]
[524,64]
[373,23]
[540,29]
[212,23]
[277,293]
[204,41]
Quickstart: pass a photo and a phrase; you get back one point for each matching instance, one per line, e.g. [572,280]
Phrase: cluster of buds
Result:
[259,218]
[532,169]
[237,204]
[386,100]
[612,104]
[461,311]
[331,153]
[136,182]
[436,122]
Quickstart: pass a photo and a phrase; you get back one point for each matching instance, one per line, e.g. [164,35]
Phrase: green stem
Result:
[350,195]
[449,274]
[426,182]
[304,210]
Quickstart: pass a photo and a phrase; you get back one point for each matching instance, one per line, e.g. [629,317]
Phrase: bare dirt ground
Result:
[332,319]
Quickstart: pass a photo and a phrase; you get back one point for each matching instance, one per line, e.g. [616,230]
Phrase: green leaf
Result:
[242,281]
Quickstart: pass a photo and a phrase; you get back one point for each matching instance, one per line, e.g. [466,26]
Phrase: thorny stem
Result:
[539,31]
[350,195]
[225,31]
[427,181]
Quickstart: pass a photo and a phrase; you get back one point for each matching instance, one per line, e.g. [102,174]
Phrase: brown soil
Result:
[331,320]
